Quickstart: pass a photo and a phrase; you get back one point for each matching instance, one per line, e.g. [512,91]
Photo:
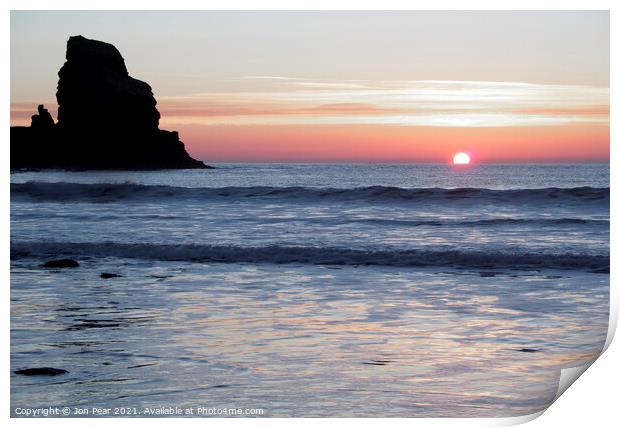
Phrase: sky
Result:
[409,86]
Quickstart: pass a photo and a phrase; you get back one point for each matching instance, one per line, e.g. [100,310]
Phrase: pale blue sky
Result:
[182,53]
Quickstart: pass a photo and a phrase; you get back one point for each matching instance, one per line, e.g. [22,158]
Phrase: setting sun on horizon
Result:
[461,158]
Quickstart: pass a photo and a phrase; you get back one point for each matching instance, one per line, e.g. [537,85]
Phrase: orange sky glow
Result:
[302,121]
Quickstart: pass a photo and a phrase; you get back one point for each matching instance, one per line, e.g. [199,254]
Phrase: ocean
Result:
[410,290]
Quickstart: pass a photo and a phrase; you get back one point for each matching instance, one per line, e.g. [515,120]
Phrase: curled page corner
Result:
[569,375]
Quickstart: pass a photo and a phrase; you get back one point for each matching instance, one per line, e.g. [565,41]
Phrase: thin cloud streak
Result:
[281,100]
[273,78]
[406,103]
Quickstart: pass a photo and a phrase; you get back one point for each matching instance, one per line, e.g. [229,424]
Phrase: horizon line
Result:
[343,162]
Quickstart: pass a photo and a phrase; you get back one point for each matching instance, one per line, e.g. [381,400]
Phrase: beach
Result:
[412,290]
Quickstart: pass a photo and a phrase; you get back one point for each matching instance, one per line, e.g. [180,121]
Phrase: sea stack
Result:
[106,119]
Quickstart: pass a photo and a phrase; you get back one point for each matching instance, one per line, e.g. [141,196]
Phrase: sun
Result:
[461,158]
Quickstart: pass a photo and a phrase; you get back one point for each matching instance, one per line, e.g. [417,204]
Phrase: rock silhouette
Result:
[107,275]
[106,119]
[61,263]
[41,371]
[43,120]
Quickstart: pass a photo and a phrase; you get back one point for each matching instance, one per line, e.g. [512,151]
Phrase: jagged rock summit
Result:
[106,119]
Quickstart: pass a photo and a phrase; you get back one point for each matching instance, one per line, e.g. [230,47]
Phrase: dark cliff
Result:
[106,119]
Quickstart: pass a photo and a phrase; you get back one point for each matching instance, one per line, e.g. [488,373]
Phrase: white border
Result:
[597,391]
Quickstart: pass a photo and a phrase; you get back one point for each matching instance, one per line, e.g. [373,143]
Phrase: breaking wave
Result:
[313,255]
[62,191]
